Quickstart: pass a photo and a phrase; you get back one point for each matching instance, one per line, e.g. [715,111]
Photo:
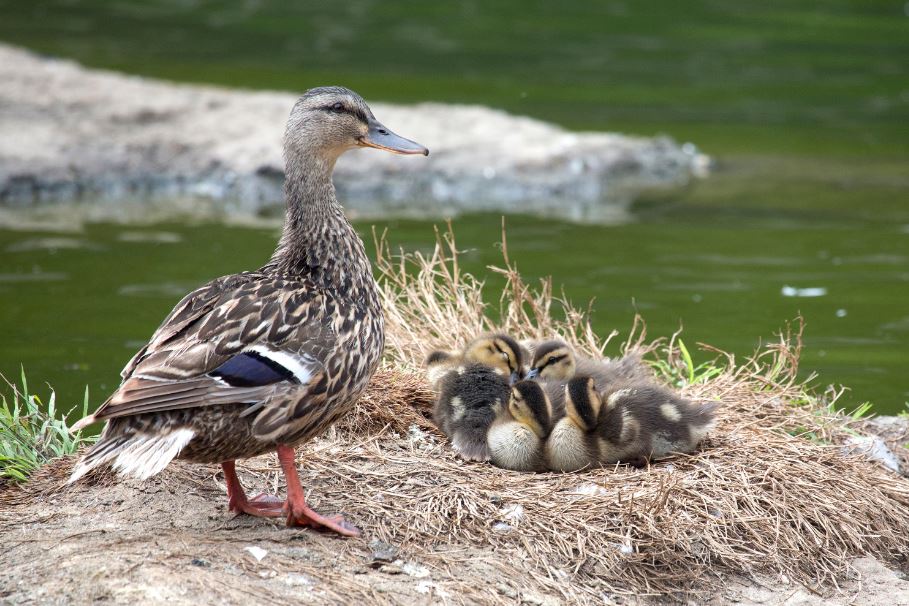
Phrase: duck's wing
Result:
[239,339]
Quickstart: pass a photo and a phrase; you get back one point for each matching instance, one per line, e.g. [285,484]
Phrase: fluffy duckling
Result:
[472,387]
[630,423]
[469,397]
[572,443]
[518,433]
[497,351]
[555,360]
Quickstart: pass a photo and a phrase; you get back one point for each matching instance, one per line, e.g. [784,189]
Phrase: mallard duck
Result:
[629,423]
[555,360]
[267,359]
[518,433]
[472,386]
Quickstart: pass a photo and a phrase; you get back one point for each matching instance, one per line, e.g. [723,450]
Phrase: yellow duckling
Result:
[497,351]
[518,433]
[555,360]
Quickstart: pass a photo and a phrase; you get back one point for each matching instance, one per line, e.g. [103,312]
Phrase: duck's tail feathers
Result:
[139,455]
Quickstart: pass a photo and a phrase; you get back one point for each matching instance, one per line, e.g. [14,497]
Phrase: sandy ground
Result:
[172,540]
[67,132]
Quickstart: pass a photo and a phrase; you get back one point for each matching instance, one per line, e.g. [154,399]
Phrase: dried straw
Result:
[756,499]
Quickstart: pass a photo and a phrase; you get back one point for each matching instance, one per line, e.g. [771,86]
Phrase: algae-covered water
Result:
[803,105]
[77,305]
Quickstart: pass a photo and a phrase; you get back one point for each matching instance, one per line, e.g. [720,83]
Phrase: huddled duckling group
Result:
[561,411]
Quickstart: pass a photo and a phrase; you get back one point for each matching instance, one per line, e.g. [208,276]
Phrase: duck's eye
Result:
[337,107]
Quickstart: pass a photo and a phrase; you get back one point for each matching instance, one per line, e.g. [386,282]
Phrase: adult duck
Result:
[267,359]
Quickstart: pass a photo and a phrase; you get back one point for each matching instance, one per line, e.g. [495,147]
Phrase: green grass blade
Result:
[688,361]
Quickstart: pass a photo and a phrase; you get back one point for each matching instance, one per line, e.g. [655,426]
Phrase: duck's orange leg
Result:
[298,512]
[263,505]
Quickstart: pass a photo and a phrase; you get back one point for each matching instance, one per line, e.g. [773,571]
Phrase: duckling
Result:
[517,434]
[472,387]
[629,423]
[438,364]
[470,395]
[497,351]
[555,360]
[572,443]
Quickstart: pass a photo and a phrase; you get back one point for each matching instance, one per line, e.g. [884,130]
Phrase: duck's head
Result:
[500,352]
[529,406]
[330,120]
[552,361]
[582,402]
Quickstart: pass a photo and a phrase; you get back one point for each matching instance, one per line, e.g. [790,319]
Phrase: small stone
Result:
[424,587]
[539,600]
[383,552]
[874,449]
[416,570]
[200,562]
[257,552]
[297,580]
[506,591]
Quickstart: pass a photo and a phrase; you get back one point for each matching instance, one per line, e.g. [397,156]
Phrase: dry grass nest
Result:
[770,491]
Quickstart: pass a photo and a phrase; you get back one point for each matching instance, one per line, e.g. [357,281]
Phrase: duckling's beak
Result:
[381,138]
[515,377]
[533,373]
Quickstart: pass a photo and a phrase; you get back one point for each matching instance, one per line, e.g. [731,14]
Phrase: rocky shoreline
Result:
[68,133]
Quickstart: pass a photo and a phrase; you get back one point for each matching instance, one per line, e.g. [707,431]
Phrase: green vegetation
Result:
[686,373]
[31,432]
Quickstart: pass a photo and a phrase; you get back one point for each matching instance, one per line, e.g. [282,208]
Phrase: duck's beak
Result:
[515,377]
[381,138]
[533,373]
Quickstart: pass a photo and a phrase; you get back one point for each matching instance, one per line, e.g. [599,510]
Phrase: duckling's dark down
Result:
[636,423]
[555,360]
[472,386]
[469,398]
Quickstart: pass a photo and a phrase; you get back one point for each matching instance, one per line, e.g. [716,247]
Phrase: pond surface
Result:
[76,305]
[803,105]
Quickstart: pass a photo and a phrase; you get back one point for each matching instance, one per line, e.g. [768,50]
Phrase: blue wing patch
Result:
[252,369]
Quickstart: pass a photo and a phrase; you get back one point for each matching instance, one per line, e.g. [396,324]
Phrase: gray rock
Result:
[70,133]
[874,448]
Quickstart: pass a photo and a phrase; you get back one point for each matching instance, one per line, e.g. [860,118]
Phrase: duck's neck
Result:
[317,242]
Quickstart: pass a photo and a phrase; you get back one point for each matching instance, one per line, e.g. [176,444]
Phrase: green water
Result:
[77,305]
[793,76]
[804,106]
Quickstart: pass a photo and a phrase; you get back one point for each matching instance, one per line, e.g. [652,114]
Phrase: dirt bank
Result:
[171,540]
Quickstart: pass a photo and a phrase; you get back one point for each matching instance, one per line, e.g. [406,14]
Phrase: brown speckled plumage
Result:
[312,312]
